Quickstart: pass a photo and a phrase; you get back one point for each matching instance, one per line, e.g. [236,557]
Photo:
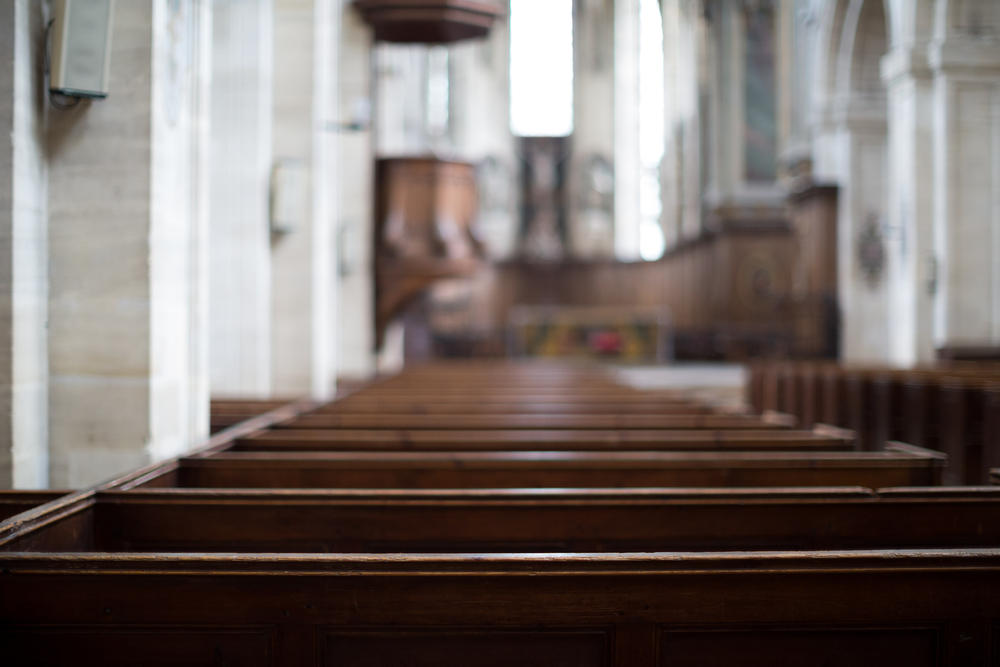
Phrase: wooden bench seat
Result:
[547,439]
[857,608]
[528,421]
[954,407]
[581,520]
[224,413]
[350,406]
[245,556]
[16,501]
[515,395]
[899,465]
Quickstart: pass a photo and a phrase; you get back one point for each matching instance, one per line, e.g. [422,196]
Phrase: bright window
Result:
[651,124]
[541,68]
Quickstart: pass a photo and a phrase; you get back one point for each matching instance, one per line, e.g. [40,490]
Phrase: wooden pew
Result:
[224,413]
[364,405]
[209,597]
[16,501]
[819,439]
[954,408]
[899,465]
[529,421]
[867,608]
[519,520]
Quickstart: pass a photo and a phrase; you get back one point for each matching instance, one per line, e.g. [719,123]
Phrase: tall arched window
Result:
[760,119]
[541,68]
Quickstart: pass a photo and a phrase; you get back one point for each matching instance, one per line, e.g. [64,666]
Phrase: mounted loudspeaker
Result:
[81,47]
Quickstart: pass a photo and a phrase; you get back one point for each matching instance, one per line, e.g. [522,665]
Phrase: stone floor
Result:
[716,383]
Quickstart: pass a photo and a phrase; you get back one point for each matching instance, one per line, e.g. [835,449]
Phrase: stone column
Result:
[591,196]
[302,256]
[861,276]
[682,159]
[966,212]
[126,371]
[240,299]
[480,103]
[355,271]
[23,238]
[911,260]
[626,129]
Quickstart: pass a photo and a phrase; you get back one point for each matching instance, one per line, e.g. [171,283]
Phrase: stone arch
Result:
[831,28]
[866,42]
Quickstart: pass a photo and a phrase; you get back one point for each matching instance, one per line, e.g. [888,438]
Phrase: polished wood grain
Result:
[953,407]
[606,420]
[927,606]
[580,520]
[224,413]
[317,469]
[272,543]
[17,501]
[288,439]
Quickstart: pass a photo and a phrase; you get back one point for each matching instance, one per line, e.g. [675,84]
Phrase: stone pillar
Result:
[682,159]
[626,129]
[302,257]
[355,270]
[240,300]
[911,260]
[861,276]
[23,237]
[126,371]
[480,102]
[591,174]
[966,212]
[325,205]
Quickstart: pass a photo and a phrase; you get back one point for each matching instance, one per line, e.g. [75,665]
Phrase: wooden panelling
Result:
[112,645]
[525,521]
[483,648]
[794,592]
[765,647]
[421,530]
[449,470]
